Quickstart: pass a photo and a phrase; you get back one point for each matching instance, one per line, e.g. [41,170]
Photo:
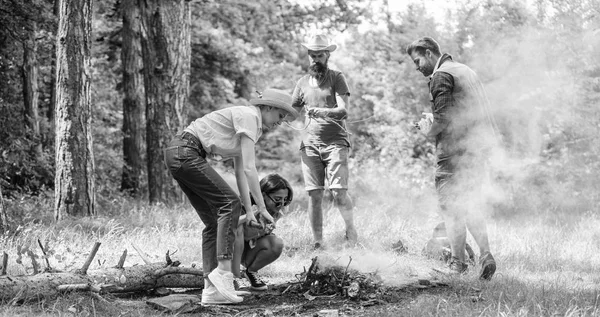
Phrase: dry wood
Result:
[90,258]
[48,268]
[122,259]
[4,262]
[107,280]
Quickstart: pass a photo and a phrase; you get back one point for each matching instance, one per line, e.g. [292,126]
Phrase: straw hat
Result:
[276,98]
[319,42]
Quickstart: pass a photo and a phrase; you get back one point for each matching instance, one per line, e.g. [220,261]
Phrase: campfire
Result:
[325,278]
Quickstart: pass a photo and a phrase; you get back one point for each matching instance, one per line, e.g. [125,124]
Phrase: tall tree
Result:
[165,36]
[74,180]
[133,101]
[29,73]
[3,215]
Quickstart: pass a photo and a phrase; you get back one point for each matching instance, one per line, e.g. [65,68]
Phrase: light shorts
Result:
[320,162]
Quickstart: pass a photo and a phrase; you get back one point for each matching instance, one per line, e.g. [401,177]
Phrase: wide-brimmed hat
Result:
[319,42]
[276,98]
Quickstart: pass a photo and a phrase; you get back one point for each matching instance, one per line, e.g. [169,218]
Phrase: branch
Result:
[45,256]
[142,255]
[89,260]
[177,270]
[4,263]
[36,266]
[122,260]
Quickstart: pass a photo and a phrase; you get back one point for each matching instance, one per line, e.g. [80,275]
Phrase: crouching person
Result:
[229,133]
[256,248]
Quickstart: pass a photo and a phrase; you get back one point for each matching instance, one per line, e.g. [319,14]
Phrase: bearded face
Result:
[317,69]
[318,63]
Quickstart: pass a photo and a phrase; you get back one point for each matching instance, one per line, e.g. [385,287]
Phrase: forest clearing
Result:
[92,91]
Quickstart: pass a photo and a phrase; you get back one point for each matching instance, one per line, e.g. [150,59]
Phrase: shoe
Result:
[223,282]
[256,283]
[317,246]
[488,266]
[457,266]
[211,296]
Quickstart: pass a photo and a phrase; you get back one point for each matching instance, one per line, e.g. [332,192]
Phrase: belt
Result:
[192,138]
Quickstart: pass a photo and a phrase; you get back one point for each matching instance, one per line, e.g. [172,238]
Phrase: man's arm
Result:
[441,87]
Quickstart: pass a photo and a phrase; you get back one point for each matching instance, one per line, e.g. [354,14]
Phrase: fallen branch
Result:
[107,280]
[4,263]
[90,258]
[48,268]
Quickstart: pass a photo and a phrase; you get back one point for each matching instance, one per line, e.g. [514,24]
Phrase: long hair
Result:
[274,182]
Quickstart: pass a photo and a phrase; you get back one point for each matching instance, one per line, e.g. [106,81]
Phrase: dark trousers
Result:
[217,204]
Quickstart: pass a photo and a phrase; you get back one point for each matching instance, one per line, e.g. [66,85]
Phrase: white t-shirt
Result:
[220,131]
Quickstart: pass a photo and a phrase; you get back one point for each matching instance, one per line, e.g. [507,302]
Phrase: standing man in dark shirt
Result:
[464,135]
[323,94]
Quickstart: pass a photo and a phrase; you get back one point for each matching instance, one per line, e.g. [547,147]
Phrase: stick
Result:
[36,266]
[177,270]
[143,256]
[309,274]
[45,256]
[344,277]
[89,260]
[4,263]
[168,258]
[122,259]
[73,287]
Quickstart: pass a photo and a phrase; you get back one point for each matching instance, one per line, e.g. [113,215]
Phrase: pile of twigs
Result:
[323,279]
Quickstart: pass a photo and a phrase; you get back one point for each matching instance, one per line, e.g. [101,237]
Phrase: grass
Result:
[545,268]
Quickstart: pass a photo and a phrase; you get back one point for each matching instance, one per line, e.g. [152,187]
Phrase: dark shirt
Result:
[460,107]
[320,131]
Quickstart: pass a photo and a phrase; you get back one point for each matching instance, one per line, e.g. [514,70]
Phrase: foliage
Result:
[537,64]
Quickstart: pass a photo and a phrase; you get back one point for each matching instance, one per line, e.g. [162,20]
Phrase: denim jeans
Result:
[217,204]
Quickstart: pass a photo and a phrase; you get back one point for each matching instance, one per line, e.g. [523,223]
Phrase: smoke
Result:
[536,84]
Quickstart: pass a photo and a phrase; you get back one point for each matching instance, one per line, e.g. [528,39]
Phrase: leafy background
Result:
[538,61]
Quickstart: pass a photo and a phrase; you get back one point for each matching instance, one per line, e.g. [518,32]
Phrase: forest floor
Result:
[279,301]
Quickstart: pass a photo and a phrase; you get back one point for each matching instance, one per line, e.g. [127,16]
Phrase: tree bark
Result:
[3,216]
[50,114]
[133,102]
[165,30]
[74,180]
[110,280]
[29,74]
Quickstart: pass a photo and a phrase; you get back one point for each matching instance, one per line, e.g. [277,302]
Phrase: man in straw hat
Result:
[323,94]
[229,133]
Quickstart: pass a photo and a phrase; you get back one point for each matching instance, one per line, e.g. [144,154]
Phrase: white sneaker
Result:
[211,296]
[224,284]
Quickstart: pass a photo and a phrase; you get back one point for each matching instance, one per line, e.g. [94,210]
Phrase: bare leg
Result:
[344,203]
[315,212]
[267,250]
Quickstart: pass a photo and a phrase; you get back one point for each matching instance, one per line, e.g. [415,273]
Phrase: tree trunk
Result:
[3,216]
[166,49]
[133,116]
[109,280]
[51,109]
[74,180]
[29,74]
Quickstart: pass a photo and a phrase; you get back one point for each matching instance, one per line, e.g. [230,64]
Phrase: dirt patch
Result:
[280,301]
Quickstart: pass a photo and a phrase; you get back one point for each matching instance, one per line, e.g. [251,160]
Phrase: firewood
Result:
[106,280]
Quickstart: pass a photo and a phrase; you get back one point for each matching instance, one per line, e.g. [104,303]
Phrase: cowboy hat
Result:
[276,98]
[319,42]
